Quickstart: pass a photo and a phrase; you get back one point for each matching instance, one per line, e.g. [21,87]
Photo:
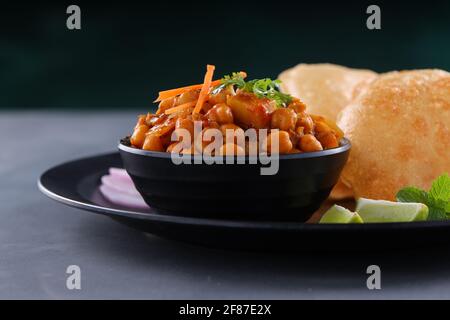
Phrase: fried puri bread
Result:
[325,88]
[400,133]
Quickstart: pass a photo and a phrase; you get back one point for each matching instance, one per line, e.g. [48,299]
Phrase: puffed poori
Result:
[400,133]
[325,88]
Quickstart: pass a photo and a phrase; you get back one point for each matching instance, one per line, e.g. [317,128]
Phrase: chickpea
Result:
[185,123]
[201,142]
[141,120]
[138,137]
[231,149]
[153,143]
[220,113]
[309,143]
[321,127]
[188,97]
[297,106]
[164,128]
[284,141]
[300,131]
[306,122]
[171,147]
[283,119]
[165,104]
[294,136]
[230,126]
[331,124]
[166,140]
[154,121]
[317,118]
[328,140]
[179,138]
[295,150]
[213,124]
[150,119]
[237,131]
[190,150]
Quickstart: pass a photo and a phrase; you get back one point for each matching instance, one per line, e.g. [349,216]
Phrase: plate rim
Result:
[86,205]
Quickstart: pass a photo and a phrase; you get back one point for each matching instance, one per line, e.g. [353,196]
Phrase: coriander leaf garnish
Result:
[262,88]
[437,199]
[268,88]
[235,79]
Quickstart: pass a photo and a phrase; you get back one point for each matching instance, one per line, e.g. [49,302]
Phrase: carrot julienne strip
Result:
[166,94]
[180,107]
[205,88]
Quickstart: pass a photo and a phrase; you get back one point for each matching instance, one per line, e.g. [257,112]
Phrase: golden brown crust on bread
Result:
[400,133]
[325,88]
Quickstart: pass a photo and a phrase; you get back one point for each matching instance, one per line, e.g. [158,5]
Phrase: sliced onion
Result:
[118,188]
[119,173]
[122,199]
[120,185]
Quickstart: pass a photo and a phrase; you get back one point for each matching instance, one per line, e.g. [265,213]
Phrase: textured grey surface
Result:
[39,238]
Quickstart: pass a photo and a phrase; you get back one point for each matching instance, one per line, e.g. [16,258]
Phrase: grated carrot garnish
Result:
[181,107]
[205,88]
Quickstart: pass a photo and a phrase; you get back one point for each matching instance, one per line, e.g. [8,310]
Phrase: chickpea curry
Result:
[232,104]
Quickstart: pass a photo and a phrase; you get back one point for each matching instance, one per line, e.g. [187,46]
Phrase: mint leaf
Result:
[440,189]
[436,214]
[438,203]
[412,194]
[437,199]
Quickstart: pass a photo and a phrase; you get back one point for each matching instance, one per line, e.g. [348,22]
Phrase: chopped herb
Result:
[236,79]
[262,88]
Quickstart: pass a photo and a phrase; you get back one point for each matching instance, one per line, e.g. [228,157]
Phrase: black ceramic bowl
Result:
[236,191]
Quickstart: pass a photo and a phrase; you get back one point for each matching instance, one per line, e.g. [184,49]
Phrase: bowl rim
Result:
[344,146]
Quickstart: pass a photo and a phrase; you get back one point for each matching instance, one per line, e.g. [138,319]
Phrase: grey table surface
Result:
[39,238]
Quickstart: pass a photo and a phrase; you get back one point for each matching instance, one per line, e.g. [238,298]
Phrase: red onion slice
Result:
[122,199]
[120,185]
[118,188]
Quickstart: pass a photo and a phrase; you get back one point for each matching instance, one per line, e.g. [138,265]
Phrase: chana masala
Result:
[232,104]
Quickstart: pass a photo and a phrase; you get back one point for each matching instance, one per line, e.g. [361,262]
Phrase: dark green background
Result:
[127,51]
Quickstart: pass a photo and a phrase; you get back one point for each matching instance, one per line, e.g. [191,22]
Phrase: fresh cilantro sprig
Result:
[270,89]
[262,88]
[235,79]
[437,198]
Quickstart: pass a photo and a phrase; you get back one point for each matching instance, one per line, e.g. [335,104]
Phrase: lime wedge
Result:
[338,214]
[387,211]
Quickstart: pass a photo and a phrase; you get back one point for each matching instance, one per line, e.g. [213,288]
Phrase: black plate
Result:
[76,184]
